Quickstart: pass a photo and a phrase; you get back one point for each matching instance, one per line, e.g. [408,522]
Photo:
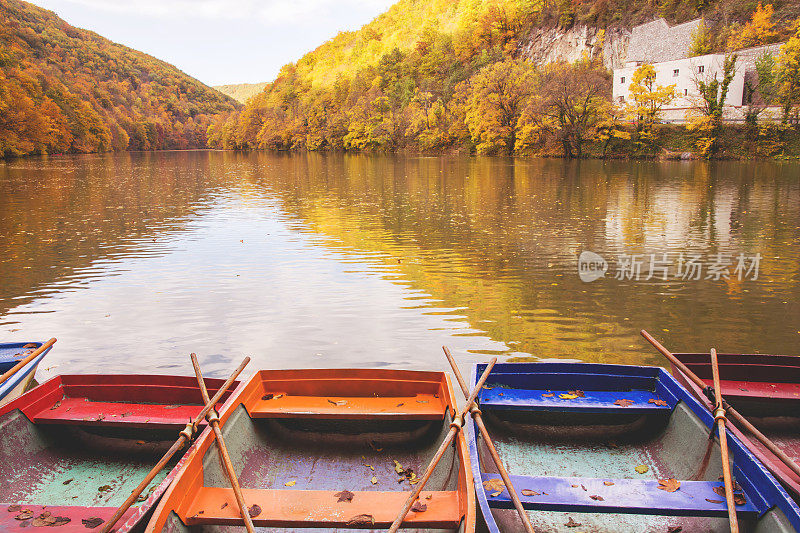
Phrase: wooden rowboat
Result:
[764,388]
[603,448]
[328,449]
[12,353]
[74,447]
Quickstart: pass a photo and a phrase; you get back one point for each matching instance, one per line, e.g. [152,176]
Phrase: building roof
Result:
[657,41]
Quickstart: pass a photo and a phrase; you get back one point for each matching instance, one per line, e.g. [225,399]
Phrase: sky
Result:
[220,41]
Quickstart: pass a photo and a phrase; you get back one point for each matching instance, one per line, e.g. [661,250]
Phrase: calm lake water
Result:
[135,260]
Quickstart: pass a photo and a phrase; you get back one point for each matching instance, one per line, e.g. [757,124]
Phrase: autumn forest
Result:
[430,76]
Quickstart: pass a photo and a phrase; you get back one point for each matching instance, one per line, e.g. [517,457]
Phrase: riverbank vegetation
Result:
[63,89]
[401,84]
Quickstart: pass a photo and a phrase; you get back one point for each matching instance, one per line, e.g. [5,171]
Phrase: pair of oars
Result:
[27,359]
[727,410]
[185,436]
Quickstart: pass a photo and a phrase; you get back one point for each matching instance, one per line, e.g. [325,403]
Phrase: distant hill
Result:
[65,89]
[241,92]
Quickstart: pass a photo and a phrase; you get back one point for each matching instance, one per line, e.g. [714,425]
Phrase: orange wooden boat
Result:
[328,449]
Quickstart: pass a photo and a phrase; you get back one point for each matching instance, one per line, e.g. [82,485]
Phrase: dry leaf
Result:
[596,497]
[401,404]
[548,395]
[584,488]
[361,520]
[14,508]
[92,522]
[578,393]
[714,501]
[422,401]
[399,468]
[492,485]
[338,402]
[419,507]
[224,505]
[496,494]
[568,396]
[669,485]
[104,488]
[608,483]
[642,469]
[268,397]
[739,499]
[254,510]
[624,402]
[675,529]
[529,492]
[344,496]
[573,523]
[487,387]
[56,405]
[374,480]
[290,483]
[26,514]
[660,403]
[719,490]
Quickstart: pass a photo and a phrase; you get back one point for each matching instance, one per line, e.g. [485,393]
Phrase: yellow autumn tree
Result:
[760,30]
[647,100]
[787,70]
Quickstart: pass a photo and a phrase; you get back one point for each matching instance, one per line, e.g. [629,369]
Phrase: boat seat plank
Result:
[79,411]
[419,407]
[630,496]
[594,401]
[759,389]
[320,508]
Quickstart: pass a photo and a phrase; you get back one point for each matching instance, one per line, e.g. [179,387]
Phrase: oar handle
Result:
[30,357]
[455,426]
[223,451]
[719,418]
[487,439]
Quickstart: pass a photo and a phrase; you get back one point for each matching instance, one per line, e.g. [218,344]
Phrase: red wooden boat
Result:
[766,390]
[73,449]
[331,449]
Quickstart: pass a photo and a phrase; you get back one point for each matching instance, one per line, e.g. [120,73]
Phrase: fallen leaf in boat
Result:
[669,485]
[496,494]
[399,468]
[573,523]
[200,511]
[487,387]
[739,499]
[254,510]
[578,393]
[548,395]
[624,402]
[675,529]
[29,345]
[374,446]
[338,402]
[714,501]
[429,496]
[574,486]
[494,485]
[56,405]
[277,396]
[596,497]
[735,484]
[419,507]
[26,514]
[344,496]
[170,407]
[608,483]
[224,505]
[104,488]
[529,492]
[44,519]
[374,480]
[401,404]
[422,401]
[361,520]
[289,483]
[660,403]
[500,394]
[13,508]
[584,488]
[642,469]
[268,397]
[568,396]
[60,521]
[140,442]
[719,490]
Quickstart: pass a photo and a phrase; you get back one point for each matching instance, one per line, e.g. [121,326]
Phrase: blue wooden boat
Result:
[602,447]
[12,353]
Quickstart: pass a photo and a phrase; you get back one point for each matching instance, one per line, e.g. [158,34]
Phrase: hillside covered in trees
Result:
[64,89]
[437,75]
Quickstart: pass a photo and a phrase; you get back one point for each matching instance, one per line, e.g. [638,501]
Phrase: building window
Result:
[701,69]
[686,92]
[622,79]
[675,73]
[621,99]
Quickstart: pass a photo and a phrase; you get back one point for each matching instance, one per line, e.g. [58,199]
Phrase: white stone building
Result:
[667,49]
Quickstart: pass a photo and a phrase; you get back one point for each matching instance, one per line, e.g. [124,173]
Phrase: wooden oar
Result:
[732,413]
[213,419]
[455,427]
[186,435]
[30,357]
[476,416]
[719,418]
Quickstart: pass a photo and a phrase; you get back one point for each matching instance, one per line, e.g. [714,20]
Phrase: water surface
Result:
[310,260]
